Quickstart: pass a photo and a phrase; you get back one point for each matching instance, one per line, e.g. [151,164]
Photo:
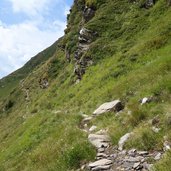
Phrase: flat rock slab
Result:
[104,138]
[115,105]
[100,163]
[99,140]
[100,168]
[87,119]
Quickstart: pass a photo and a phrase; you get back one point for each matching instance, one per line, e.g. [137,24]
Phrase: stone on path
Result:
[115,105]
[87,119]
[93,128]
[100,164]
[158,156]
[99,141]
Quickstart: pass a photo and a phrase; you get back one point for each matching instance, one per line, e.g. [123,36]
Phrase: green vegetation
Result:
[132,60]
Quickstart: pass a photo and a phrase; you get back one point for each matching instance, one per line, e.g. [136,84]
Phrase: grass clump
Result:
[145,139]
[91,3]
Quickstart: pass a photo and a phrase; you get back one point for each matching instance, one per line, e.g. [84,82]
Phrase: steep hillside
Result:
[112,49]
[8,83]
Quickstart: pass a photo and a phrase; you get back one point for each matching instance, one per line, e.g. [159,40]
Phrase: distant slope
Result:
[8,83]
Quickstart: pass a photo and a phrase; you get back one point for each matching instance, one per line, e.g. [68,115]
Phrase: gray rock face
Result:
[88,13]
[83,61]
[109,106]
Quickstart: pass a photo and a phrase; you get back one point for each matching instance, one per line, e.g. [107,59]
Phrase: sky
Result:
[27,27]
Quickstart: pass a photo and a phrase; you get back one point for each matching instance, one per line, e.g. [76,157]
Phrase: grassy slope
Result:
[131,60]
[9,83]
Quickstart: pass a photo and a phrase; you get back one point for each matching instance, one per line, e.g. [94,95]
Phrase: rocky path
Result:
[110,158]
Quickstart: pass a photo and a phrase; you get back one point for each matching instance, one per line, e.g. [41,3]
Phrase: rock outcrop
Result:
[82,60]
[85,38]
[88,13]
[44,83]
[116,158]
[148,4]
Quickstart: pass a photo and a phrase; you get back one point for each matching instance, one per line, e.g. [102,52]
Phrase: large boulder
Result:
[115,105]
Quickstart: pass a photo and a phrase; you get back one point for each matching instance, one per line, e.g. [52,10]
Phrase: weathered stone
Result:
[149,3]
[99,140]
[109,106]
[86,34]
[158,156]
[123,152]
[122,140]
[145,100]
[85,120]
[104,138]
[102,155]
[93,128]
[132,152]
[169,2]
[101,132]
[102,162]
[136,165]
[127,165]
[43,82]
[88,13]
[155,120]
[166,145]
[156,130]
[142,153]
[101,150]
[134,159]
[67,55]
[100,168]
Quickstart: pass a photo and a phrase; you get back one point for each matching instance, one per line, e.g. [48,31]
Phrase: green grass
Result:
[132,60]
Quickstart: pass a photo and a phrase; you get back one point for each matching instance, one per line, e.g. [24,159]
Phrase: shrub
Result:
[77,154]
[145,139]
[9,105]
[136,116]
[91,3]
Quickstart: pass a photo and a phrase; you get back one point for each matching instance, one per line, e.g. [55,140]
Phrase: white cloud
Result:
[30,7]
[66,12]
[20,42]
